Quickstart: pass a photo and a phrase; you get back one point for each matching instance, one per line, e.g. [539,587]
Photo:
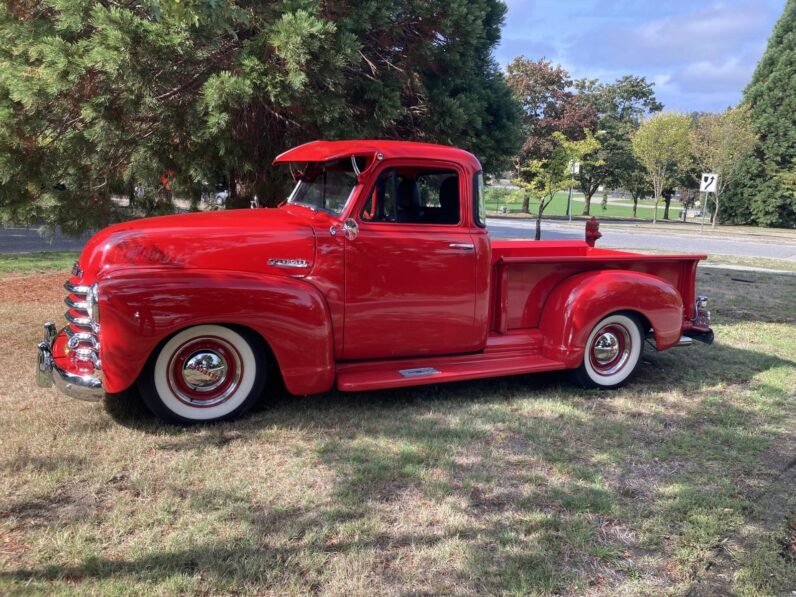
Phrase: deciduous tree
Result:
[633,179]
[662,146]
[619,106]
[720,143]
[547,176]
[549,105]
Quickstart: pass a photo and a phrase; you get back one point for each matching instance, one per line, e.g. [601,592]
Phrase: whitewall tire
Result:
[204,373]
[612,352]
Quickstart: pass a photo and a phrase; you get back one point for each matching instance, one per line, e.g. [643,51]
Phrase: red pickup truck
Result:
[377,272]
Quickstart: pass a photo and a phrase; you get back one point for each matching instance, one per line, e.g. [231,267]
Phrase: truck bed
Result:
[524,273]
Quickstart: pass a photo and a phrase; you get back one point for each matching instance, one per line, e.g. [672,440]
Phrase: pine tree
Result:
[97,97]
[765,193]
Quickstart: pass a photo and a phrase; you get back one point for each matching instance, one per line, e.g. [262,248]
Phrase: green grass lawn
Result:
[497,198]
[29,263]
[677,483]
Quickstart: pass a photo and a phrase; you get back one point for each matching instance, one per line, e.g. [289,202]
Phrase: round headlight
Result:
[92,303]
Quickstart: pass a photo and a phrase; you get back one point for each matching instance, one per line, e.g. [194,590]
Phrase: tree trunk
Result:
[635,206]
[715,218]
[539,226]
[667,201]
[587,195]
[655,213]
[131,194]
[526,203]
[234,200]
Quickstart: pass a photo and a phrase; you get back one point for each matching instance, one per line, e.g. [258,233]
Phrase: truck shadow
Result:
[684,370]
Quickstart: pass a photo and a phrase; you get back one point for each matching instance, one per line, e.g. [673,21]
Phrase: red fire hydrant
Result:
[592,231]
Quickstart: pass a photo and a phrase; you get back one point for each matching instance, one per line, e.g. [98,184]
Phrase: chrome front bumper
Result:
[74,385]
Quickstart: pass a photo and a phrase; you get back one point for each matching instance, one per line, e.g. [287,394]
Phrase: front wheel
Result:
[205,373]
[612,353]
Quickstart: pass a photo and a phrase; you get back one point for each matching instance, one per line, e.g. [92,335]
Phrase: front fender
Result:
[140,307]
[577,303]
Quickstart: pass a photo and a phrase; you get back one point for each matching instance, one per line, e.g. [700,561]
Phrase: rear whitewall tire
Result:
[204,373]
[612,352]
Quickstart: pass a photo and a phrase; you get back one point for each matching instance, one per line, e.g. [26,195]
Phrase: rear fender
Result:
[140,307]
[577,303]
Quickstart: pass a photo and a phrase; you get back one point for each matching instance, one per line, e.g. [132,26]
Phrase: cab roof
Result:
[324,151]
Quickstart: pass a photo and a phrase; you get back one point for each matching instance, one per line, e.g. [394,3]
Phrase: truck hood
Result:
[270,241]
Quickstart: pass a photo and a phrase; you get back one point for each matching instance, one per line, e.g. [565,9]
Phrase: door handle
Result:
[462,246]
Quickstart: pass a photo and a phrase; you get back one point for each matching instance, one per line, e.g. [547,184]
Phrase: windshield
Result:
[325,186]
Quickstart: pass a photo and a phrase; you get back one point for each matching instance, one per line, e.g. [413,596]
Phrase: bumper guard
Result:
[699,327]
[82,387]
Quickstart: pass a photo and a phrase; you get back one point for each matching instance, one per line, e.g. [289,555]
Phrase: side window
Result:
[479,205]
[414,196]
[380,206]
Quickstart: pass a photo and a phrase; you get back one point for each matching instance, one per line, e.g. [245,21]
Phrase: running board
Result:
[400,373]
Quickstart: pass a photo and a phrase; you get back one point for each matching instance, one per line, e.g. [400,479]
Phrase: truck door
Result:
[410,270]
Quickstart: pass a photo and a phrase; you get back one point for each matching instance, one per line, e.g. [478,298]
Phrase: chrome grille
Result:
[77,321]
[79,306]
[76,289]
[82,332]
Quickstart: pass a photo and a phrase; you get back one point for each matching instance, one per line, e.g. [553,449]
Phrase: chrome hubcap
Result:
[606,348]
[610,349]
[204,371]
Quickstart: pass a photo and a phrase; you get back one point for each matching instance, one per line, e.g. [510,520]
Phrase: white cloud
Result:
[700,55]
[708,34]
[709,77]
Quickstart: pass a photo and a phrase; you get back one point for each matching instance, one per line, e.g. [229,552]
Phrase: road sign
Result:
[708,183]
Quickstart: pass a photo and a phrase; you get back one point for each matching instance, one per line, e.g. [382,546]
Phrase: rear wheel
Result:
[204,373]
[612,353]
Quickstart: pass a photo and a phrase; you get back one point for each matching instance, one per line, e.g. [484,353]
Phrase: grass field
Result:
[617,208]
[681,482]
[740,262]
[31,263]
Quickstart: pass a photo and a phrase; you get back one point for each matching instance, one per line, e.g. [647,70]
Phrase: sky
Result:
[700,55]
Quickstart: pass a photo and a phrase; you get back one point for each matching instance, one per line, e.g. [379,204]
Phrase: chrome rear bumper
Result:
[699,327]
[82,387]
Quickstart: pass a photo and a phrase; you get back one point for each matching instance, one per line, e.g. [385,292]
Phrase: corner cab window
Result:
[480,200]
[325,186]
[414,196]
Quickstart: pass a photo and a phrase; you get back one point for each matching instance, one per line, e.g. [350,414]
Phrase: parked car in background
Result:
[221,198]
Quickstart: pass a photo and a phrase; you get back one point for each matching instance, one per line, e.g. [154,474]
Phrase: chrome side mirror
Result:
[350,229]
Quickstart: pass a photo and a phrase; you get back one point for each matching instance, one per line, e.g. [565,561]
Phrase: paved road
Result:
[28,240]
[25,240]
[643,239]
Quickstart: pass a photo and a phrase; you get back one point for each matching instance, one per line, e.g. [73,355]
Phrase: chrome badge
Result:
[275,262]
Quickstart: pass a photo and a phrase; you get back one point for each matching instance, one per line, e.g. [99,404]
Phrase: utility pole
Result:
[574,169]
[569,204]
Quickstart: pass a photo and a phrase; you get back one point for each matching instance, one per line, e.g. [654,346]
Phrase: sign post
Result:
[574,168]
[708,183]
